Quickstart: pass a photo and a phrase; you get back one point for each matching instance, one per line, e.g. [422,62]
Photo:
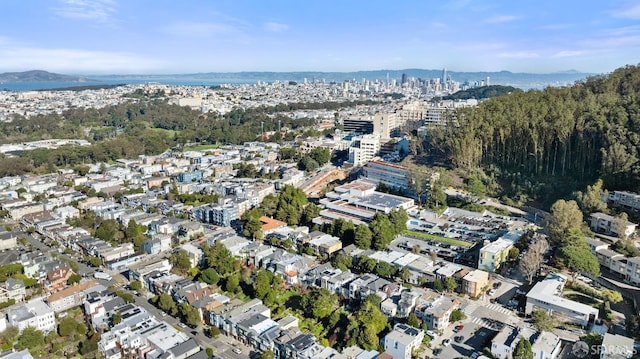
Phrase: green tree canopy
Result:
[363,236]
[319,304]
[523,350]
[180,261]
[209,276]
[382,230]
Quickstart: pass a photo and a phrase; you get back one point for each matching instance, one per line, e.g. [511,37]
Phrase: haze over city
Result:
[111,36]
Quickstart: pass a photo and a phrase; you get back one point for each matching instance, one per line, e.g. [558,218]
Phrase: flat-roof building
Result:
[547,295]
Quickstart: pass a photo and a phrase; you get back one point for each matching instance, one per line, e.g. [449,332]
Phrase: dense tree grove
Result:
[554,140]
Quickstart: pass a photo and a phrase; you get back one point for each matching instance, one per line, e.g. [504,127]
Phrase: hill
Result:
[480,93]
[39,76]
[545,144]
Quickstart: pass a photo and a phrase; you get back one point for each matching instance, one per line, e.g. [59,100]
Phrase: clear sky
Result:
[183,36]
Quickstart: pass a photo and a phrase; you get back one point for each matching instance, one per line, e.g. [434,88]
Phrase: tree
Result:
[404,274]
[268,354]
[220,258]
[412,320]
[190,314]
[565,215]
[475,186]
[166,303]
[591,200]
[541,320]
[30,338]
[434,257]
[528,266]
[399,218]
[209,276]
[67,326]
[621,222]
[385,270]
[232,283]
[457,315]
[126,296]
[438,285]
[579,258]
[73,279]
[319,304]
[135,285]
[116,318]
[612,296]
[209,352]
[262,283]
[450,284]
[523,350]
[180,261]
[363,236]
[437,198]
[214,332]
[382,230]
[367,323]
[513,254]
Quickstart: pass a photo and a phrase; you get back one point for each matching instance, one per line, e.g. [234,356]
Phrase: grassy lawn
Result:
[584,299]
[202,147]
[432,237]
[168,133]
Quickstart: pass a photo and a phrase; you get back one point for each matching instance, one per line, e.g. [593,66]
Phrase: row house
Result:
[162,282]
[610,225]
[624,199]
[323,244]
[34,313]
[166,225]
[99,307]
[368,284]
[287,265]
[73,296]
[157,244]
[627,268]
[140,272]
[57,278]
[12,289]
[8,240]
[436,314]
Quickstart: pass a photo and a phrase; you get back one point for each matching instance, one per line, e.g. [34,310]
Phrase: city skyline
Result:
[144,37]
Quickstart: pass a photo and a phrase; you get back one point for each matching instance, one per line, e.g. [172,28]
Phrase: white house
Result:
[401,341]
[35,313]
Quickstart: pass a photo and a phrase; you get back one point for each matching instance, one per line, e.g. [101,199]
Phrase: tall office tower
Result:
[444,76]
[404,79]
[488,82]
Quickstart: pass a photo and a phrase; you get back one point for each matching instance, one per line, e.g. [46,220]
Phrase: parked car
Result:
[458,328]
[492,292]
[437,351]
[497,285]
[237,351]
[458,338]
[431,334]
[446,342]
[474,355]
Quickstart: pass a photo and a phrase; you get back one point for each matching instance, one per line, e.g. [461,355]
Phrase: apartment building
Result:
[401,341]
[624,199]
[547,295]
[363,149]
[610,225]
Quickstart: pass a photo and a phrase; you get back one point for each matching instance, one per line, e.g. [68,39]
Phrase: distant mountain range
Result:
[521,80]
[39,76]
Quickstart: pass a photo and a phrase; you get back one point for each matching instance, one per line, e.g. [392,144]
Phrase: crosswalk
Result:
[487,323]
[498,308]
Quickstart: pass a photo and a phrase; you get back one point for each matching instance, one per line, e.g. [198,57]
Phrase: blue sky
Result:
[169,36]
